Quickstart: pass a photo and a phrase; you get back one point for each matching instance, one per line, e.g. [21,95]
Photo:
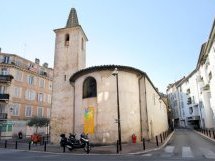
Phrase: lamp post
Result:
[115,73]
[47,132]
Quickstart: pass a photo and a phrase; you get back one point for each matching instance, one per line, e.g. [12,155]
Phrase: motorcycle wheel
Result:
[70,148]
[85,148]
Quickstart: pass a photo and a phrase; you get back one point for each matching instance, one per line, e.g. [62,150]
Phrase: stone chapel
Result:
[91,99]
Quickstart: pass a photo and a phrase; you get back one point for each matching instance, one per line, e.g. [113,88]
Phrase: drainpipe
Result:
[141,119]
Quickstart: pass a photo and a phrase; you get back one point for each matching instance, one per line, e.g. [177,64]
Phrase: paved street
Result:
[184,145]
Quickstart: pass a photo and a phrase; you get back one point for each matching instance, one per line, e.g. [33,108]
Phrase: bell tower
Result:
[70,56]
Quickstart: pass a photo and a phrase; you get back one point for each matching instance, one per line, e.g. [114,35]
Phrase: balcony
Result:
[4,97]
[6,78]
[3,116]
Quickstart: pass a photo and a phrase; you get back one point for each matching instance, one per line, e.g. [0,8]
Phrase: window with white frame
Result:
[45,97]
[49,98]
[17,92]
[15,109]
[42,83]
[30,79]
[18,75]
[30,95]
[40,112]
[3,89]
[4,71]
[40,97]
[48,113]
[18,62]
[28,111]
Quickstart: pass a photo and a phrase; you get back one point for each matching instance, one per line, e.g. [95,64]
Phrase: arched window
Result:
[67,40]
[89,87]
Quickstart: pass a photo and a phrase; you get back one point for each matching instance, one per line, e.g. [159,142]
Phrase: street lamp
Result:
[115,73]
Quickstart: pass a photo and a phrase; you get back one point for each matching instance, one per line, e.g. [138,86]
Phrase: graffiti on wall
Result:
[89,120]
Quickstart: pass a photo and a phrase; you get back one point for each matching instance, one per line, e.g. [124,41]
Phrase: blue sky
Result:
[161,38]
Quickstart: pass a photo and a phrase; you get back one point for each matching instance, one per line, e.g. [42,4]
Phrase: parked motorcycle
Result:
[72,143]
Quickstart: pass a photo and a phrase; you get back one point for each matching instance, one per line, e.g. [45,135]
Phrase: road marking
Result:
[186,152]
[147,155]
[169,149]
[210,155]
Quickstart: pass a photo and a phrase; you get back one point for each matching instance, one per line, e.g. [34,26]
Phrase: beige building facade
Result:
[25,91]
[85,99]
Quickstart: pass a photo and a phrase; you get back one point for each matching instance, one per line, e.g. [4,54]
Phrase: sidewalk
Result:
[212,138]
[130,148]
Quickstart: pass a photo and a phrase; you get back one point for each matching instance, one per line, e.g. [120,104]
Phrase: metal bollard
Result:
[43,139]
[16,144]
[5,144]
[117,146]
[29,145]
[214,134]
[161,138]
[144,146]
[157,140]
[209,133]
[44,145]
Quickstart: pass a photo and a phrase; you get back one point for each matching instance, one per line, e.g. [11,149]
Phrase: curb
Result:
[155,149]
[204,136]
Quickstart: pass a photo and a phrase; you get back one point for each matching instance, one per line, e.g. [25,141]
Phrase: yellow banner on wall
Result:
[89,120]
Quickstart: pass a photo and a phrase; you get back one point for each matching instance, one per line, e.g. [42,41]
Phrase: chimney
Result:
[45,65]
[37,61]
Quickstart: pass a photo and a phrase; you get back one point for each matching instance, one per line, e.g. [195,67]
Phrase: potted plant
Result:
[37,122]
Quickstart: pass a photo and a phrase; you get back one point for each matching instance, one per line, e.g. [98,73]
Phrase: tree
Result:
[38,122]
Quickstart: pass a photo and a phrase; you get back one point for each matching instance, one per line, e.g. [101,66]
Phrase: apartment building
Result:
[25,91]
[192,98]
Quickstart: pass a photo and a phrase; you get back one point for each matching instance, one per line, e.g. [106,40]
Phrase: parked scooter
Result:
[72,143]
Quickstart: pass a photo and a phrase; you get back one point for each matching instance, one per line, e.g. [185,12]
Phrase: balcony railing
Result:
[4,97]
[5,78]
[3,116]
